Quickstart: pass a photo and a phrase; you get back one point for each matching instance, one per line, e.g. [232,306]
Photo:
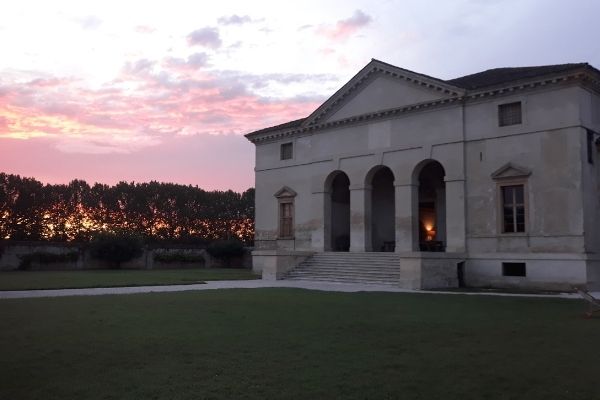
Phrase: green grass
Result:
[297,344]
[24,280]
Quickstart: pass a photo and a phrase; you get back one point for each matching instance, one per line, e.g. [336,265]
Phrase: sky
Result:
[111,91]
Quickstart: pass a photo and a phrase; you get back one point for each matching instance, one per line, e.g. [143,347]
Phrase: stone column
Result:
[321,212]
[360,218]
[406,198]
[455,215]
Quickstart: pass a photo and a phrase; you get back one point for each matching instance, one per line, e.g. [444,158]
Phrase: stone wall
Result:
[12,251]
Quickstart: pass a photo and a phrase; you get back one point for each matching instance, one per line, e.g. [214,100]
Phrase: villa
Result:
[487,180]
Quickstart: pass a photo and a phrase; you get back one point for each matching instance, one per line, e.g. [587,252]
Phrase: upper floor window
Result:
[513,208]
[510,114]
[287,151]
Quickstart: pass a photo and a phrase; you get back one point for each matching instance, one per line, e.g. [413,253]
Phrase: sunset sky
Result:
[164,90]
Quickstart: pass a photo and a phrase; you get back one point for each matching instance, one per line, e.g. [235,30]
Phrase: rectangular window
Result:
[286,219]
[590,146]
[287,151]
[509,114]
[513,209]
[513,269]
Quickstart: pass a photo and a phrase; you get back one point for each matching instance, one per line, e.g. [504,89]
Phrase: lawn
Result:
[23,280]
[297,344]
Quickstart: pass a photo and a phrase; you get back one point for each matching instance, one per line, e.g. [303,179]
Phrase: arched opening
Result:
[383,209]
[337,220]
[432,207]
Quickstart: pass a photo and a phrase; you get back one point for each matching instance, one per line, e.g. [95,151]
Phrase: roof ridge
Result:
[501,75]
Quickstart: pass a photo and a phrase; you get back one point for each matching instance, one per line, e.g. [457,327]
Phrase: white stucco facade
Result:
[399,161]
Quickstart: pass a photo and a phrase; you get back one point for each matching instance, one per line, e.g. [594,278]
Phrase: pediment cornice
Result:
[372,70]
[511,171]
[285,192]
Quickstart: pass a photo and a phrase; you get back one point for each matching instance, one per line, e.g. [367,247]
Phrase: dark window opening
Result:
[513,269]
[460,274]
[510,114]
[513,209]
[287,151]
[590,146]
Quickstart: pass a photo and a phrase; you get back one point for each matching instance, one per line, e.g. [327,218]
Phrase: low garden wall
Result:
[74,256]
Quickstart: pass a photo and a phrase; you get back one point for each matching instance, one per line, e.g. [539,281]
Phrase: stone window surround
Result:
[511,174]
[285,195]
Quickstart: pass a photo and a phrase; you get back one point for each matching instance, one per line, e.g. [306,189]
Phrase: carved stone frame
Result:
[285,195]
[511,174]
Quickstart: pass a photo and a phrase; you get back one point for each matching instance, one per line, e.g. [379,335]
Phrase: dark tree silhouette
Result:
[160,212]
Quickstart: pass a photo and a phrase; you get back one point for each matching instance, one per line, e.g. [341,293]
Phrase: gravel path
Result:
[251,284]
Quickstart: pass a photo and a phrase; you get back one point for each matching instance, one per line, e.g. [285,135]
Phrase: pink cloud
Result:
[145,29]
[148,119]
[345,28]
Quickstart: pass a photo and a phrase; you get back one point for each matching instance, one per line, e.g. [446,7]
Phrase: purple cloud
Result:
[197,59]
[345,28]
[234,20]
[207,37]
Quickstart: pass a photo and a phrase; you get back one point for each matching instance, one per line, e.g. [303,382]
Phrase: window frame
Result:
[286,197]
[284,202]
[501,117]
[283,156]
[514,205]
[500,206]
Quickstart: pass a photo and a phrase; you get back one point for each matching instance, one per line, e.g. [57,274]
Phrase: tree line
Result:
[161,212]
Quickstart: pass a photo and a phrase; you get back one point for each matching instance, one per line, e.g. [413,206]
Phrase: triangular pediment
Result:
[510,171]
[377,87]
[285,192]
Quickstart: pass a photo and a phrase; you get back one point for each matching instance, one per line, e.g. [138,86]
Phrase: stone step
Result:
[387,282]
[355,256]
[374,268]
[346,268]
[353,264]
[352,274]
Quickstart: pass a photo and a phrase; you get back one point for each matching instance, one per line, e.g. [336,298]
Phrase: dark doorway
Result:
[432,207]
[340,212]
[383,210]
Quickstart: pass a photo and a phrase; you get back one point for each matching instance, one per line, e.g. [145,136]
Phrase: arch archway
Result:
[431,210]
[337,212]
[382,209]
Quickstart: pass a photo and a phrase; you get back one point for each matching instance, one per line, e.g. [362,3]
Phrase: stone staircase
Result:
[372,268]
